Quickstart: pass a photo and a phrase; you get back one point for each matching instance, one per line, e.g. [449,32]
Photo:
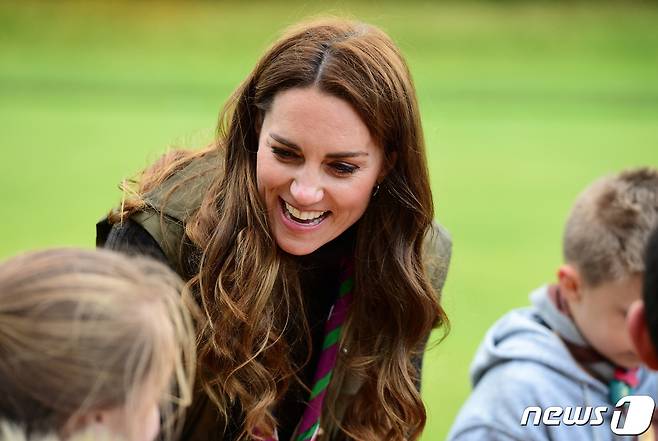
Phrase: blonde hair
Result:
[84,330]
[609,225]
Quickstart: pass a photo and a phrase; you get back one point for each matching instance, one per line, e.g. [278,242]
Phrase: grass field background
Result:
[522,103]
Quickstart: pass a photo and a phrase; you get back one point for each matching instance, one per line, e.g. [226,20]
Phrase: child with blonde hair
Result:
[93,345]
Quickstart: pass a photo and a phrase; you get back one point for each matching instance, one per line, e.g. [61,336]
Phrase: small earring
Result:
[374,193]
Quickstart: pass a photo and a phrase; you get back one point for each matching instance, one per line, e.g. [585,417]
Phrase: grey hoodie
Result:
[523,363]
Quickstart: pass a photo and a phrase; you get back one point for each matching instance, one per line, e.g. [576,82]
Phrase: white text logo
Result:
[639,411]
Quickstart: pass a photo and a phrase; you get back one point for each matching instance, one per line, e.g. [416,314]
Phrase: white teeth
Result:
[303,215]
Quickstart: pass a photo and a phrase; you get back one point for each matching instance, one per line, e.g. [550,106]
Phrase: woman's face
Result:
[316,168]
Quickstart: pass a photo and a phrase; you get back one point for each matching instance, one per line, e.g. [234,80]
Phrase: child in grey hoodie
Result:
[556,370]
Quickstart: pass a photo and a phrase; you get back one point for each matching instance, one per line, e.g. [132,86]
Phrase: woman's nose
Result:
[306,190]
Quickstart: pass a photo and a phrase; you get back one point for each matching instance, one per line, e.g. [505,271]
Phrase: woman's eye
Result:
[344,169]
[283,153]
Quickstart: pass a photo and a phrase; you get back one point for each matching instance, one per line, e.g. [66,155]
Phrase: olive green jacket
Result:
[168,209]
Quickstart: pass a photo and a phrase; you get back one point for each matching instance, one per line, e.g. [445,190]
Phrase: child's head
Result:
[604,241]
[643,317]
[92,340]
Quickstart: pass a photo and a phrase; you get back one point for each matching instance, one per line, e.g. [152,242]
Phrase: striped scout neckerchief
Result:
[309,426]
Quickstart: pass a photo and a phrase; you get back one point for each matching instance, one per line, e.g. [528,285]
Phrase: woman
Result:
[316,187]
[93,345]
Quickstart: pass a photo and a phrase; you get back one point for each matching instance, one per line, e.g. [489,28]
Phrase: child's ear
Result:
[81,421]
[90,419]
[637,327]
[570,282]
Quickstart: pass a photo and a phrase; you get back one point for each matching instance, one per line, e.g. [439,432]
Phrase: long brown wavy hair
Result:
[250,290]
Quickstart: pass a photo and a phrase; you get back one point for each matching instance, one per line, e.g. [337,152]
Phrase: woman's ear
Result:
[259,118]
[636,324]
[389,163]
[258,121]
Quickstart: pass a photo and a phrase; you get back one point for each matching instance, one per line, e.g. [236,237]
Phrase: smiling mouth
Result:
[303,217]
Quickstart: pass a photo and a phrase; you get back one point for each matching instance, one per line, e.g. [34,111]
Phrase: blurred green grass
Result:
[523,104]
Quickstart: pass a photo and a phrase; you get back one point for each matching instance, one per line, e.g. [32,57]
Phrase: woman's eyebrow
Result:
[280,139]
[340,155]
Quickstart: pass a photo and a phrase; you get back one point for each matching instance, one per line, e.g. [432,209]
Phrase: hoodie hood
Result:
[528,335]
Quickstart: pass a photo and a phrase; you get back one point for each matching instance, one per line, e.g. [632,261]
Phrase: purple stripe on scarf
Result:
[312,414]
[326,363]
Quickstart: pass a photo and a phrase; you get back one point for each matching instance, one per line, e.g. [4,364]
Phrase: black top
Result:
[319,279]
